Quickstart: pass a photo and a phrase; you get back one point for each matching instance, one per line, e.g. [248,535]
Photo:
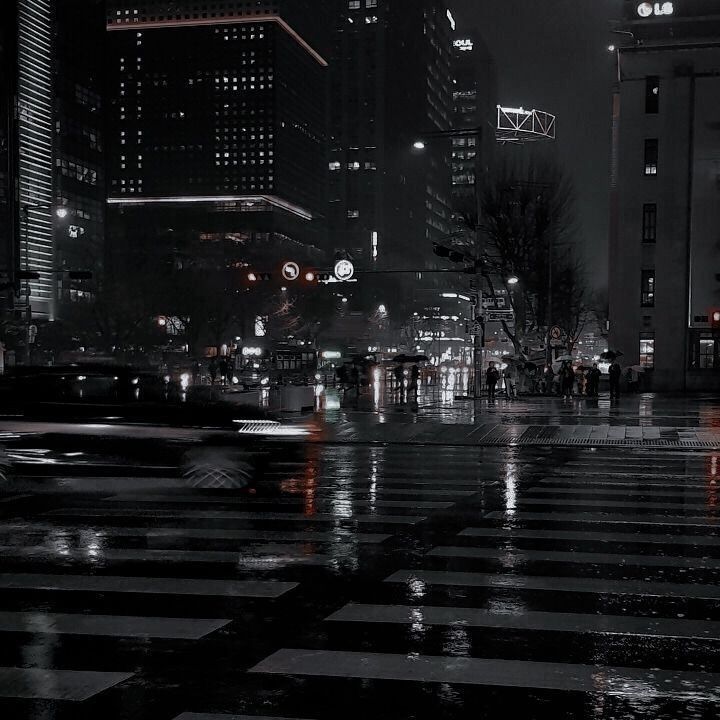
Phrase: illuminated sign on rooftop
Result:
[451,19]
[648,9]
[464,44]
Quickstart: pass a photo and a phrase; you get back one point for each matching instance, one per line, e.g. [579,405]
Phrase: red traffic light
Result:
[715,317]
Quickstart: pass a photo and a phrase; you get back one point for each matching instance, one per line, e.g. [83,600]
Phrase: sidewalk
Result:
[635,421]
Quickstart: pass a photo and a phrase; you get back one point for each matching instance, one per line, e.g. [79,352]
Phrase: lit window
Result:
[353,4]
[370,3]
[647,350]
[370,19]
[334,166]
[647,288]
[353,213]
[651,156]
[353,165]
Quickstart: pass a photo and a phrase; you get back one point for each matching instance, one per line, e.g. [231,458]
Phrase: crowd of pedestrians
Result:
[567,382]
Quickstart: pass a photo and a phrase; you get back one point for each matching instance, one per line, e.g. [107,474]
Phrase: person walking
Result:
[213,369]
[548,379]
[581,380]
[510,383]
[491,380]
[615,374]
[593,381]
[223,368]
[567,379]
[414,379]
[399,374]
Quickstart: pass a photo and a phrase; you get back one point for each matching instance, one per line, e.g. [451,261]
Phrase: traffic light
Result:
[715,317]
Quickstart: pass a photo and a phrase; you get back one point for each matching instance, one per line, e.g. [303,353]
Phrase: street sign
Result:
[499,315]
[556,332]
[344,270]
[291,271]
[476,328]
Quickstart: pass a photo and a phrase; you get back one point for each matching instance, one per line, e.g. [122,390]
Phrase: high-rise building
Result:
[664,277]
[391,82]
[475,101]
[8,56]
[217,119]
[49,147]
[79,182]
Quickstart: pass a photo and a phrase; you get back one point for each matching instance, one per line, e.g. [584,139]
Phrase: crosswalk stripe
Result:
[291,553]
[479,553]
[583,517]
[46,684]
[333,536]
[619,504]
[231,515]
[215,716]
[596,586]
[586,536]
[528,620]
[319,500]
[108,625]
[572,492]
[480,671]
[156,586]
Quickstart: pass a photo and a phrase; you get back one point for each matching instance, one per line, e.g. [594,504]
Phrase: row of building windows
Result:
[354,166]
[357,4]
[77,170]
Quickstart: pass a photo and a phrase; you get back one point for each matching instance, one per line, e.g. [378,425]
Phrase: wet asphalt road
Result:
[371,581]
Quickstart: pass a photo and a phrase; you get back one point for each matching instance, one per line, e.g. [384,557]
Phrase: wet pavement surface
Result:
[397,579]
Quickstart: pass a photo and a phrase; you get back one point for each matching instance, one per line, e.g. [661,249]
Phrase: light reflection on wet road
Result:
[421,582]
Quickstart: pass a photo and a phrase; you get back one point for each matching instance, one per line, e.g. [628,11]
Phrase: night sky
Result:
[552,55]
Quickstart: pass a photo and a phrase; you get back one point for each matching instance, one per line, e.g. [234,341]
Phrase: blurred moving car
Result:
[138,416]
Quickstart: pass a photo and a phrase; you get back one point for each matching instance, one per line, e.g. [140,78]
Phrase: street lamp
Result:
[419,145]
[513,280]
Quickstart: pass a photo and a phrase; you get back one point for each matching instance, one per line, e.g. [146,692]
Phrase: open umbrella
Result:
[565,358]
[610,355]
[637,368]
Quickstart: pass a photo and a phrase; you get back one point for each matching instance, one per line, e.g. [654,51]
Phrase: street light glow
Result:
[61,212]
[514,280]
[419,145]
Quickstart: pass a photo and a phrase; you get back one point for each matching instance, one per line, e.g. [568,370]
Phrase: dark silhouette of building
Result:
[217,120]
[391,81]
[79,144]
[664,278]
[475,101]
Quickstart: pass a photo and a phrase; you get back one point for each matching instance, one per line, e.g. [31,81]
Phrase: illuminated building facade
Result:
[34,159]
[664,280]
[217,118]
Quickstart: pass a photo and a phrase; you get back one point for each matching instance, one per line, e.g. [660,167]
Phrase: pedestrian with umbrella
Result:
[567,379]
[593,381]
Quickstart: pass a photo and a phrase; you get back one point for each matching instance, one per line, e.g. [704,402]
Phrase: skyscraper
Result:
[391,82]
[217,118]
[475,100]
[79,142]
[664,283]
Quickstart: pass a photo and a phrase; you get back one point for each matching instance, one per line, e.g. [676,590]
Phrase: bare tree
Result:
[526,228]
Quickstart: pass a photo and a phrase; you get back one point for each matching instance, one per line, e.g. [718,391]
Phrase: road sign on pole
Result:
[555,332]
[499,315]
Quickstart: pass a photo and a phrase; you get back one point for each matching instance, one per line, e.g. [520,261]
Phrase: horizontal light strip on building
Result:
[242,20]
[183,199]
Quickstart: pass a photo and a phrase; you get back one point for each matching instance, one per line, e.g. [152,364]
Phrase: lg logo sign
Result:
[647,9]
